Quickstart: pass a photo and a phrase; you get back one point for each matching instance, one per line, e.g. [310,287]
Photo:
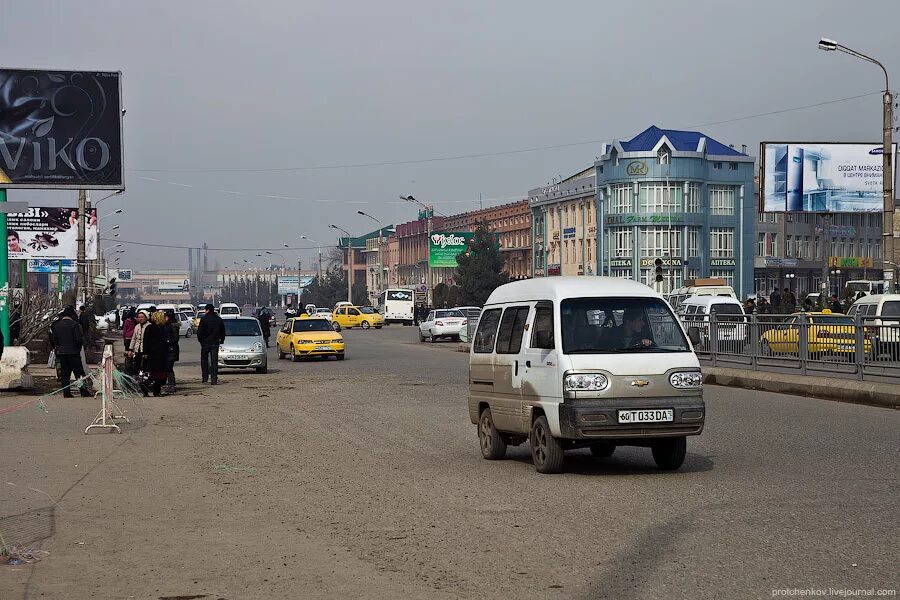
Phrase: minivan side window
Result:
[487,331]
[542,336]
[512,327]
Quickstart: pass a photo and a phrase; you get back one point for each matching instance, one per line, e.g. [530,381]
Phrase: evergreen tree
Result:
[480,269]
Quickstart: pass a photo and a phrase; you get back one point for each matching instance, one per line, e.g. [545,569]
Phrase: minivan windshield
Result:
[619,325]
[726,309]
[229,310]
[242,327]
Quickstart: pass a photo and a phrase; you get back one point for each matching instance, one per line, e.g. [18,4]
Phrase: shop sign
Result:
[667,262]
[636,168]
[569,232]
[721,262]
[592,229]
[772,261]
[554,269]
[850,262]
[555,235]
[640,219]
[620,263]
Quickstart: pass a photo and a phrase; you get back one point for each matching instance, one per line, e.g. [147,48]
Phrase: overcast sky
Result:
[288,84]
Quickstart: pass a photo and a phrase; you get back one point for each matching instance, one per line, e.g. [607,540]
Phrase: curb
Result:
[826,388]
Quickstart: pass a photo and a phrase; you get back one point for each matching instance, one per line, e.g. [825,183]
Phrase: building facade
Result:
[565,226]
[815,252]
[681,197]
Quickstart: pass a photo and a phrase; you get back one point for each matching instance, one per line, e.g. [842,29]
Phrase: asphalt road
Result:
[363,479]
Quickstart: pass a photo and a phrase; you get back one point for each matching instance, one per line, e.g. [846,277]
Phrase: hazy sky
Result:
[261,85]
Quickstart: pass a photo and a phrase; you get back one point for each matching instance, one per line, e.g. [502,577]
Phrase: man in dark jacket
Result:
[67,344]
[836,305]
[211,335]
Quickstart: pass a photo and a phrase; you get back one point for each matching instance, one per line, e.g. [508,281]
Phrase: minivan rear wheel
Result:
[546,451]
[493,446]
[669,453]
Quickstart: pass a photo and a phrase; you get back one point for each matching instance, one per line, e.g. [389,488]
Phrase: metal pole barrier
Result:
[803,342]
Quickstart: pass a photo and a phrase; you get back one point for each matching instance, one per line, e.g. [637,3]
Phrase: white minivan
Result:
[572,362]
[731,322]
[880,314]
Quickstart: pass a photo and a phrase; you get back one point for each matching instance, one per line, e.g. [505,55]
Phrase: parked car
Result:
[244,346]
[307,337]
[445,323]
[185,324]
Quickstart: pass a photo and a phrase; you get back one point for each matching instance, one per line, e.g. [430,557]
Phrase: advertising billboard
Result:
[173,285]
[46,265]
[291,284]
[49,233]
[445,247]
[60,129]
[821,177]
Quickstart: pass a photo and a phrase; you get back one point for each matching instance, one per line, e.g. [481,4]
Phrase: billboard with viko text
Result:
[821,177]
[60,129]
[445,247]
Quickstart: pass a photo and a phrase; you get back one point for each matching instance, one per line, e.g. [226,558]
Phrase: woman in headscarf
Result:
[128,324]
[155,351]
[173,334]
[137,348]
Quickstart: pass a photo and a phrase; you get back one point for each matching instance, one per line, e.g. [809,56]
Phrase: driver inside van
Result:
[634,331]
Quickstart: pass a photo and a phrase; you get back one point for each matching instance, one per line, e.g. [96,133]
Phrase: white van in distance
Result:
[573,362]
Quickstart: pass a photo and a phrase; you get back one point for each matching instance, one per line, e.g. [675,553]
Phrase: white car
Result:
[185,324]
[442,323]
[104,322]
[229,308]
[325,313]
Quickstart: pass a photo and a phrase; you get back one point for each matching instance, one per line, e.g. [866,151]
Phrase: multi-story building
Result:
[377,262]
[565,226]
[412,250]
[511,223]
[801,251]
[360,255]
[681,197]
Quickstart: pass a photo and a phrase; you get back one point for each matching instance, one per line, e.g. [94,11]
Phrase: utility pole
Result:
[81,263]
[349,262]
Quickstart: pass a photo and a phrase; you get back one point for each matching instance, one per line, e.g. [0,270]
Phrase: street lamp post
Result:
[380,258]
[429,212]
[887,171]
[319,248]
[349,262]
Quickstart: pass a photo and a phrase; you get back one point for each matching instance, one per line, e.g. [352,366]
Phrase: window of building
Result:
[806,248]
[659,198]
[721,200]
[693,241]
[761,245]
[728,276]
[732,166]
[663,156]
[622,199]
[816,249]
[721,242]
[833,248]
[693,273]
[660,241]
[692,202]
[717,165]
[877,253]
[842,247]
[622,242]
[788,250]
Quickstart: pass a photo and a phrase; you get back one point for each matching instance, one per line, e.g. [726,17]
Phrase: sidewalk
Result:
[826,388]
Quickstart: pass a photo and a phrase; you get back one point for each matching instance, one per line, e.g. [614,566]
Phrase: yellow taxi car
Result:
[347,317]
[310,336]
[827,333]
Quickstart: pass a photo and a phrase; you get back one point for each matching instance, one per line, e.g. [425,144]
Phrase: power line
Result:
[491,154]
[177,247]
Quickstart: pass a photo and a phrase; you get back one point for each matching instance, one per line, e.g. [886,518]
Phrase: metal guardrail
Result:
[867,349]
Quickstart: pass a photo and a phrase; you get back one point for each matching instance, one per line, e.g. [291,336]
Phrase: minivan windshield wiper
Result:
[648,349]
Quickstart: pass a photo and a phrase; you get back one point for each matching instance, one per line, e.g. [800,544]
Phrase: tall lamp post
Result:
[887,172]
[319,248]
[429,212]
[380,259]
[349,262]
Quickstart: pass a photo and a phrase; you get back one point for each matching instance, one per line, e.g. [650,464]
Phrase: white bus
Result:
[397,305]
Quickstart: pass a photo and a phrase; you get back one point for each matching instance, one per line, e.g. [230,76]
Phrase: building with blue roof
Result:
[678,196]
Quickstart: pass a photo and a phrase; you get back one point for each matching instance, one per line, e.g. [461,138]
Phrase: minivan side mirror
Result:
[694,335]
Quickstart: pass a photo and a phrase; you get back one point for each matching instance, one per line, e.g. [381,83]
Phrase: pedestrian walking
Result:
[136,352]
[749,306]
[211,335]
[264,317]
[173,352]
[836,304]
[789,300]
[155,352]
[68,341]
[775,300]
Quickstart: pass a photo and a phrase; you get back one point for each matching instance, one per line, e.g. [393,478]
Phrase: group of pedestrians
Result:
[152,348]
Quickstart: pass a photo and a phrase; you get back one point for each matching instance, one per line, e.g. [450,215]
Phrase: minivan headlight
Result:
[586,382]
[686,380]
[257,347]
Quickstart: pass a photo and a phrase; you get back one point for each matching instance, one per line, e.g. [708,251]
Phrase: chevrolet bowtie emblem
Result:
[640,383]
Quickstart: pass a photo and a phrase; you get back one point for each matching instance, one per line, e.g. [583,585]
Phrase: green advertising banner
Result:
[445,247]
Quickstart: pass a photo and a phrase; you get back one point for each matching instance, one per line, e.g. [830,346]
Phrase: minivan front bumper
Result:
[598,418]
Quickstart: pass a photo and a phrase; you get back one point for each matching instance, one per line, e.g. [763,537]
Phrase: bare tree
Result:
[333,257]
[32,314]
